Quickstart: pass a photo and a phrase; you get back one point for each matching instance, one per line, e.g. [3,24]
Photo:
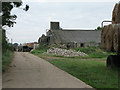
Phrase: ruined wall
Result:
[43,40]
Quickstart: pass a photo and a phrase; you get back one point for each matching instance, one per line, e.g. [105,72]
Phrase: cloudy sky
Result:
[71,15]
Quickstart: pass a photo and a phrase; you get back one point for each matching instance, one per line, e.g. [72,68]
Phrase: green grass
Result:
[94,52]
[37,52]
[6,59]
[41,49]
[94,73]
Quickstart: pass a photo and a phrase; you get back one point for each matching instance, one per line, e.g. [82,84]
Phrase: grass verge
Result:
[6,59]
[93,52]
[93,72]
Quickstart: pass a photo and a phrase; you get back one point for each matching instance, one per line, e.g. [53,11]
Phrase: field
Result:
[91,69]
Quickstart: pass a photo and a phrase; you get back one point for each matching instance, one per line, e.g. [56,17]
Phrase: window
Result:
[82,44]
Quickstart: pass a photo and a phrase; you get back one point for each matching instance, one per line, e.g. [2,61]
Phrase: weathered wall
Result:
[43,40]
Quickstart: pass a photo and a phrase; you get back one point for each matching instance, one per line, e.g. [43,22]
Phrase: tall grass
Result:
[7,51]
[6,59]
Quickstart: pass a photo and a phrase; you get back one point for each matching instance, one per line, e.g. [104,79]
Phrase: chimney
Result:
[54,26]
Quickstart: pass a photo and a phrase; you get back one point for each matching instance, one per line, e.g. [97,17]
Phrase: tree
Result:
[7,18]
[99,28]
[15,44]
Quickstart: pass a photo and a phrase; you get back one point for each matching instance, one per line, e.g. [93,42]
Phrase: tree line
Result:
[8,20]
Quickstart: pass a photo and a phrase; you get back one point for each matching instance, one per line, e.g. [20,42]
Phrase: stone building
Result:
[73,38]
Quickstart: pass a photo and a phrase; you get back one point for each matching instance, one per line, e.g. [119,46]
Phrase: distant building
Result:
[33,45]
[30,44]
[75,38]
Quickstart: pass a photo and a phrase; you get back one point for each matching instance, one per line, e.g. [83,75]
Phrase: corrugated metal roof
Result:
[77,35]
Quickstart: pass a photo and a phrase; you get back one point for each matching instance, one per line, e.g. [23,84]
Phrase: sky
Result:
[71,15]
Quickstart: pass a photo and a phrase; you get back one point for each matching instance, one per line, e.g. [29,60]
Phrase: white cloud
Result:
[32,24]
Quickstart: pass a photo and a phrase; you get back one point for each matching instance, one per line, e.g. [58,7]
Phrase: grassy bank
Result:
[7,51]
[92,70]
[95,52]
[6,59]
[92,52]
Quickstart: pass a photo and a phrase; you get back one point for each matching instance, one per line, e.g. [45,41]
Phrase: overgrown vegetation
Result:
[7,52]
[6,59]
[7,20]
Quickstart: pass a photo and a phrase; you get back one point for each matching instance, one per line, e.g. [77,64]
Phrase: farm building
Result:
[27,47]
[74,38]
[32,45]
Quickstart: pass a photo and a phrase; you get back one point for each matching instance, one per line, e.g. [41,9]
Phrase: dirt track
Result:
[29,71]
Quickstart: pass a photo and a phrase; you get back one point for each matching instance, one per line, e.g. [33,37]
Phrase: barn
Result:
[75,38]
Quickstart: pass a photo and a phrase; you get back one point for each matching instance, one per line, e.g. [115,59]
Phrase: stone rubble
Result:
[64,52]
